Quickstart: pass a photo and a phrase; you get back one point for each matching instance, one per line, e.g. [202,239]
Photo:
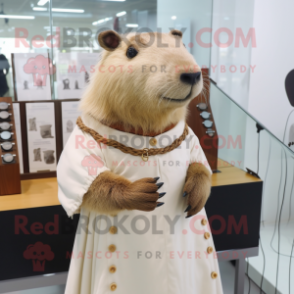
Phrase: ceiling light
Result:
[42,2]
[98,21]
[101,20]
[115,0]
[121,13]
[39,8]
[59,10]
[68,10]
[174,17]
[16,16]
[132,25]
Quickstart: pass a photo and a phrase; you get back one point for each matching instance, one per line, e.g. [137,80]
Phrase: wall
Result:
[274,57]
[269,104]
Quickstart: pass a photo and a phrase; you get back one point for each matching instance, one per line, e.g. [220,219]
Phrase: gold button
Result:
[206,235]
[112,269]
[153,141]
[113,230]
[112,248]
[113,287]
[209,250]
[204,222]
[214,275]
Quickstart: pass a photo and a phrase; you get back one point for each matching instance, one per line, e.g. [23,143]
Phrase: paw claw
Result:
[189,216]
[159,204]
[159,185]
[188,208]
[161,195]
[185,194]
[156,179]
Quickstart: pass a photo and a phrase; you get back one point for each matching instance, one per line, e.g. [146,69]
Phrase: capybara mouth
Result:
[179,100]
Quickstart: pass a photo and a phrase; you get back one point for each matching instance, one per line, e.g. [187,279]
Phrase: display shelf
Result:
[10,172]
[43,192]
[35,193]
[232,176]
[196,123]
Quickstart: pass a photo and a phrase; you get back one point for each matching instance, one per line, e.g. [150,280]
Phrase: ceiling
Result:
[94,9]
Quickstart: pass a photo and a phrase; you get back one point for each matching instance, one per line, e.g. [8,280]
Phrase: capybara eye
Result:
[131,52]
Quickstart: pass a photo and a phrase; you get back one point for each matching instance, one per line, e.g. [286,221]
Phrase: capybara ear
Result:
[176,33]
[109,40]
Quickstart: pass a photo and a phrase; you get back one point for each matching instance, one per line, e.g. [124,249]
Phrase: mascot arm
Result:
[85,180]
[77,169]
[198,179]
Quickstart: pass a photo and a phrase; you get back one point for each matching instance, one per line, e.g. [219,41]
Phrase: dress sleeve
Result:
[197,153]
[81,161]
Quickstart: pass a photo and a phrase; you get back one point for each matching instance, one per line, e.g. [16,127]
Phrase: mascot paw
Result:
[110,193]
[197,188]
[143,195]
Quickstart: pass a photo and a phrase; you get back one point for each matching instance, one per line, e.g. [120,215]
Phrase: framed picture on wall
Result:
[41,136]
[70,113]
[73,73]
[31,74]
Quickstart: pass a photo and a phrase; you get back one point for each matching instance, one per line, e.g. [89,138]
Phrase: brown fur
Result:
[133,97]
[110,193]
[198,185]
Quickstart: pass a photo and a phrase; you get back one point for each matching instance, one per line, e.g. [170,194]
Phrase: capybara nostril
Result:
[190,78]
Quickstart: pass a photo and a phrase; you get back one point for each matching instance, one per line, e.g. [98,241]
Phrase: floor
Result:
[227,272]
[275,276]
[226,268]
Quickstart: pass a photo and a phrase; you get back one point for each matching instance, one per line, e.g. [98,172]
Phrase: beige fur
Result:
[133,97]
[110,193]
[198,185]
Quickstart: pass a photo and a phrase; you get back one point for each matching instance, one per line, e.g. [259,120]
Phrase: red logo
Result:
[38,253]
[39,67]
[92,162]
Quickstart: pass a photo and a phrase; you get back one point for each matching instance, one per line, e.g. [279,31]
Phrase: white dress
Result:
[158,252]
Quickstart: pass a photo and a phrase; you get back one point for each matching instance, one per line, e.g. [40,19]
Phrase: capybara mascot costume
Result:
[137,174]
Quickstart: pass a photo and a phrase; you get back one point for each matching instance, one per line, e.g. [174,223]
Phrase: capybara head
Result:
[142,80]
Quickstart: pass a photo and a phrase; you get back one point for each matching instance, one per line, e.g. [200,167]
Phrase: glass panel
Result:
[242,145]
[80,25]
[22,30]
[229,54]
[194,17]
[67,31]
